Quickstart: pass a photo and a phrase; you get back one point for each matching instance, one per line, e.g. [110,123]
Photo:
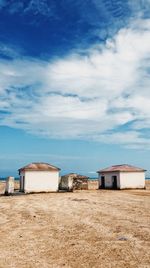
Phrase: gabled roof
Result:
[39,167]
[121,168]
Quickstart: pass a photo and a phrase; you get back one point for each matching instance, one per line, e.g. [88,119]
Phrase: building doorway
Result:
[22,183]
[114,182]
[102,182]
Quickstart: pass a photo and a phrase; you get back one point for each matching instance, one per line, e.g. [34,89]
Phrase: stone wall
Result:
[93,184]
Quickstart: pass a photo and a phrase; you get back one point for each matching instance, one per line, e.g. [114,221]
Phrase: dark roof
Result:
[123,168]
[39,167]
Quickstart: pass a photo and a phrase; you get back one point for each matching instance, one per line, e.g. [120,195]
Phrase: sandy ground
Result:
[81,229]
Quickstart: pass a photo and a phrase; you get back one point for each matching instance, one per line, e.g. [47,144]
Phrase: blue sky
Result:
[74,84]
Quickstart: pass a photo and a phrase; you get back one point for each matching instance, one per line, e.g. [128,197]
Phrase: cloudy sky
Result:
[74,83]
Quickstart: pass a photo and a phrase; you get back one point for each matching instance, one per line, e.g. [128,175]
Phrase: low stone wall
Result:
[147,184]
[93,184]
[80,185]
[3,186]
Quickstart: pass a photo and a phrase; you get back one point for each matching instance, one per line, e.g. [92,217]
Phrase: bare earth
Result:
[81,229]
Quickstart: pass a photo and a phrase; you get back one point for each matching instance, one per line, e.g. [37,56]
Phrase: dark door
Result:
[23,182]
[102,182]
[114,182]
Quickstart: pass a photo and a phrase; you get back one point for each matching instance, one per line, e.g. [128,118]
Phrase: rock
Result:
[122,238]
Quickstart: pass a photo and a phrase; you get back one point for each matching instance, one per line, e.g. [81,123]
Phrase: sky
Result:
[74,84]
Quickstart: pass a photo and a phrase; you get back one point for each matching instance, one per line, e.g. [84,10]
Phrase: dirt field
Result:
[108,229]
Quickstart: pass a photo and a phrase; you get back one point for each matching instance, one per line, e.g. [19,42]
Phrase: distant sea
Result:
[17,179]
[3,179]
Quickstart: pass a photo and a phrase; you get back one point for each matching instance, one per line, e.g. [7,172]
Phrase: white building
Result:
[39,177]
[122,177]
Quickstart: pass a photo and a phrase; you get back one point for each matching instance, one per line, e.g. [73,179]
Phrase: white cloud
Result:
[129,139]
[10,51]
[86,97]
[140,7]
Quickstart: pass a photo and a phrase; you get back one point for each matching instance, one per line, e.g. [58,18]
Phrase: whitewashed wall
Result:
[125,180]
[108,179]
[41,181]
[132,180]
